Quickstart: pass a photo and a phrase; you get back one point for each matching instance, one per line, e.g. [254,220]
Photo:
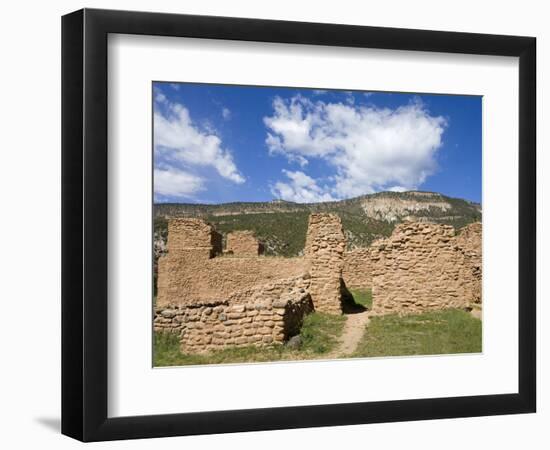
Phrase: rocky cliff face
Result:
[411,207]
[387,206]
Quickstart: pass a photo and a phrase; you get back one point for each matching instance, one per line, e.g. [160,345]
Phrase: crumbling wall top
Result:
[243,243]
[425,266]
[193,234]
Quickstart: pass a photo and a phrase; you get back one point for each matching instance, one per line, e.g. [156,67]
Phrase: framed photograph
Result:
[273,224]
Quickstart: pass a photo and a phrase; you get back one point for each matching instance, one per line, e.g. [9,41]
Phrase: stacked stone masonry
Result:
[193,234]
[213,298]
[191,273]
[357,270]
[243,243]
[468,243]
[240,298]
[325,245]
[425,266]
[262,315]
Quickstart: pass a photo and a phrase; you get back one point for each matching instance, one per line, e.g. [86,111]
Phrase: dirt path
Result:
[351,335]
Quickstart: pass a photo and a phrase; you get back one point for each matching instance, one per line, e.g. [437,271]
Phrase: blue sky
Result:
[219,143]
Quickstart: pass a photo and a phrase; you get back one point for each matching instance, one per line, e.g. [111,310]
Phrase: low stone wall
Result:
[262,315]
[324,251]
[424,266]
[243,243]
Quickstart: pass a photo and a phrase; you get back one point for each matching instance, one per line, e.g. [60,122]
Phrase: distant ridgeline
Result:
[282,225]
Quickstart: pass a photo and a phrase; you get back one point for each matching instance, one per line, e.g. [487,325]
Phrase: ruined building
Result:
[243,243]
[215,298]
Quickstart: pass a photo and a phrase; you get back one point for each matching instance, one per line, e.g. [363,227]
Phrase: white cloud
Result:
[182,143]
[176,183]
[370,149]
[397,189]
[160,97]
[226,113]
[301,188]
[350,98]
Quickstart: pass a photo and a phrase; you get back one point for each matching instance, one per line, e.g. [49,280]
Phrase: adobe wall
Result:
[243,243]
[190,274]
[262,315]
[324,251]
[424,266]
[190,278]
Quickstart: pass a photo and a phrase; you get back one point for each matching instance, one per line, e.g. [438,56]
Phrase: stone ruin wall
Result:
[243,243]
[191,273]
[324,250]
[425,266]
[469,245]
[193,235]
[261,315]
[357,270]
[214,301]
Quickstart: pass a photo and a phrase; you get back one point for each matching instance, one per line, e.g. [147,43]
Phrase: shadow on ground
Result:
[52,423]
[349,305]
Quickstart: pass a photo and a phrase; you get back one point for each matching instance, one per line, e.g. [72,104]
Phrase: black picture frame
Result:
[84,224]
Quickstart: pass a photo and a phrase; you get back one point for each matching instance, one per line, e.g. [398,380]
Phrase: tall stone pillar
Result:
[325,246]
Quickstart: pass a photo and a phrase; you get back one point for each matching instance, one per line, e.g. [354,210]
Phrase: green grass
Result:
[431,333]
[319,333]
[439,332]
[362,297]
